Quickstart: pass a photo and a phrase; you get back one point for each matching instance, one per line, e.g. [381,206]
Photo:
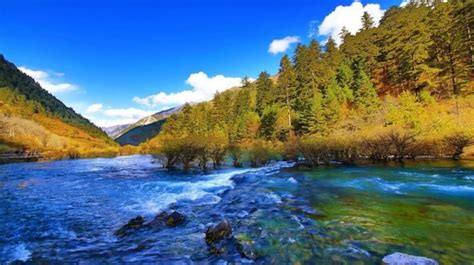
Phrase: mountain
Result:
[114,131]
[33,119]
[146,128]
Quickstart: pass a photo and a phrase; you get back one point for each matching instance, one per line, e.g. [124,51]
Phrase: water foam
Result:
[19,252]
[159,195]
[292,180]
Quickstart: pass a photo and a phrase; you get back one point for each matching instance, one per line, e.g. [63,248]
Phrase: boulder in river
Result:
[159,221]
[216,233]
[164,219]
[133,224]
[398,258]
[175,219]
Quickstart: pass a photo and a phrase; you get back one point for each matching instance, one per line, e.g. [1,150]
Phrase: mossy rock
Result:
[218,232]
[175,219]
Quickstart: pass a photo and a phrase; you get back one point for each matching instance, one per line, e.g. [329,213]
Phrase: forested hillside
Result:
[33,119]
[403,89]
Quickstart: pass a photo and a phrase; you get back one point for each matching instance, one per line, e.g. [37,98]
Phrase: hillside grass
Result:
[26,125]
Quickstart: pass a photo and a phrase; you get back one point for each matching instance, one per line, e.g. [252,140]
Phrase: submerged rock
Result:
[238,178]
[310,211]
[246,247]
[175,219]
[159,221]
[398,258]
[164,219]
[133,224]
[216,233]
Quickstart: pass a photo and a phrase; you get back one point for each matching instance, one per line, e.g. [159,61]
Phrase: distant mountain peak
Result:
[145,128]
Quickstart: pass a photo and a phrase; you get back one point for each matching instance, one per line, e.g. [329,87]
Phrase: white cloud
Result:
[109,122]
[43,78]
[203,88]
[349,17]
[404,3]
[105,117]
[129,113]
[313,24]
[38,74]
[94,108]
[281,45]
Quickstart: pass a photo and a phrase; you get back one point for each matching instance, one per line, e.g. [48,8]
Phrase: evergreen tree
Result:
[344,34]
[332,57]
[242,101]
[331,102]
[265,93]
[460,59]
[442,51]
[286,86]
[332,60]
[367,21]
[317,120]
[222,112]
[310,76]
[405,41]
[344,79]
[365,95]
[268,122]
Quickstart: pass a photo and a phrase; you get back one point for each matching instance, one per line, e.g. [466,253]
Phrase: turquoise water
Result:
[422,209]
[68,211]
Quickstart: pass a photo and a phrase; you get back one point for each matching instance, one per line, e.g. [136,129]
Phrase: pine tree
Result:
[242,101]
[367,21]
[442,51]
[310,76]
[286,86]
[317,120]
[344,79]
[365,95]
[331,102]
[222,113]
[265,93]
[344,34]
[268,122]
[332,57]
[463,26]
[405,42]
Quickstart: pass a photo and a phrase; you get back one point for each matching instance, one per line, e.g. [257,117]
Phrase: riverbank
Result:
[22,157]
[16,157]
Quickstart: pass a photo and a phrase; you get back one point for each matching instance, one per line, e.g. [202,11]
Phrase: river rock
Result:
[246,247]
[310,211]
[398,258]
[159,221]
[175,219]
[164,219]
[218,232]
[133,224]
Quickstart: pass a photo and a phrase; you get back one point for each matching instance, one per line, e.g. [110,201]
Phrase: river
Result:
[67,211]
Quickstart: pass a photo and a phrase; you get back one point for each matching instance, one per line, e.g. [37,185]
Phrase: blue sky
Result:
[117,61]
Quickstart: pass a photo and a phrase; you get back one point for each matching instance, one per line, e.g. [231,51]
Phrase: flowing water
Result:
[67,212]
